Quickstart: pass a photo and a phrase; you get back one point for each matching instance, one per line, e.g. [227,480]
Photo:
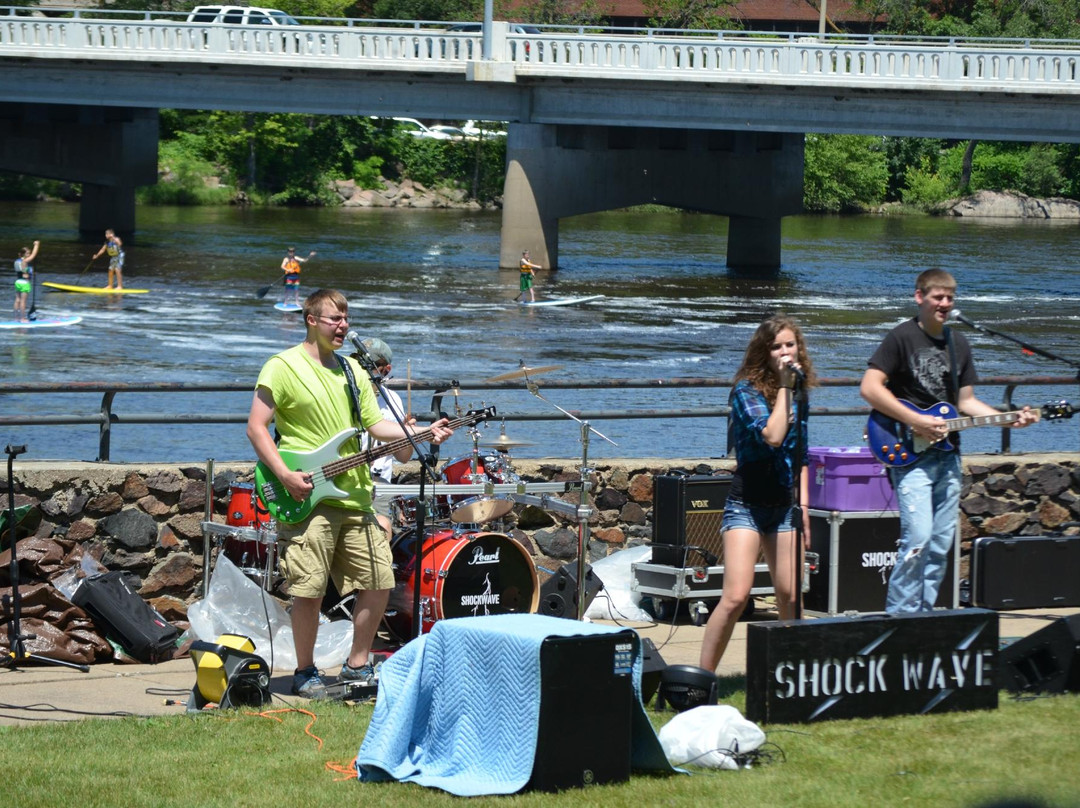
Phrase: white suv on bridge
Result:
[240,15]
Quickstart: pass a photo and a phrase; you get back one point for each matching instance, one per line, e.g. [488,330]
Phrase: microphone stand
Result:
[13,604]
[427,466]
[801,402]
[1023,345]
[584,511]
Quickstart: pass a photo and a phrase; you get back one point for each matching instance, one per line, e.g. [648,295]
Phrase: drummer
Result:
[382,470]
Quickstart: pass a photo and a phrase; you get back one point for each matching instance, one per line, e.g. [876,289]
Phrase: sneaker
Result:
[307,683]
[364,675]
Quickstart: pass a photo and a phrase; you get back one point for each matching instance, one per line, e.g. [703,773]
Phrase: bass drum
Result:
[463,574]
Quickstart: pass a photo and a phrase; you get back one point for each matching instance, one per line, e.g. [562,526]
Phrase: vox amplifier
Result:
[687,512]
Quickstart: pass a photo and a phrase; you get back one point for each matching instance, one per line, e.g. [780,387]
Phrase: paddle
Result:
[86,267]
[266,289]
[32,313]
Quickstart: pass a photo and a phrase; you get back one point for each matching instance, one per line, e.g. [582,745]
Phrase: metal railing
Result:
[1024,65]
[107,416]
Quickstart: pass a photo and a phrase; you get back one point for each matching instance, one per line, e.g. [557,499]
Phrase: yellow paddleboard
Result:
[93,290]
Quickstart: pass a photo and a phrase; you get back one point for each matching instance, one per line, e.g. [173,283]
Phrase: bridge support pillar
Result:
[556,171]
[109,150]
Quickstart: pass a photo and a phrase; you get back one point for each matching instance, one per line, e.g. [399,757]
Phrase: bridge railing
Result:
[948,62]
[107,414]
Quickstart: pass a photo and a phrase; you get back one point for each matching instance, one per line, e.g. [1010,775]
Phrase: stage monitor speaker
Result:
[558,595]
[652,668]
[687,512]
[586,711]
[1047,661]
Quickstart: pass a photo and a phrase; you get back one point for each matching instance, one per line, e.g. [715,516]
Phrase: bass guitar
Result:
[894,444]
[326,463]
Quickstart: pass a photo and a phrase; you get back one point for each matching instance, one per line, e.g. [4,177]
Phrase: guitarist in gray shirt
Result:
[912,371]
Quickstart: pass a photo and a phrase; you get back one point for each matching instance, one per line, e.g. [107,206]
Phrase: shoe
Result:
[364,675]
[307,684]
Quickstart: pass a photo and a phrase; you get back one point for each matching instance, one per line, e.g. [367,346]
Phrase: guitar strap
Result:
[954,381]
[354,399]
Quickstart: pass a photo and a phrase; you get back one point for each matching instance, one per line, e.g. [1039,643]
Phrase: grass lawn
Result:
[1026,749]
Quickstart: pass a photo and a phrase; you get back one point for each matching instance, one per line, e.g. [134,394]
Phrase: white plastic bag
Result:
[237,605]
[712,735]
[617,601]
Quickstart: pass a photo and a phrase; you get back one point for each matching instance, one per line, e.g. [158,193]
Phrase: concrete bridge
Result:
[709,121]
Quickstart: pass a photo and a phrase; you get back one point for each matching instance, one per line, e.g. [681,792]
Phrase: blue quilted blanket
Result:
[458,708]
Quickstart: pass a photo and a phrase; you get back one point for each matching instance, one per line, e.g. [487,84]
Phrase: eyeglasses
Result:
[335,320]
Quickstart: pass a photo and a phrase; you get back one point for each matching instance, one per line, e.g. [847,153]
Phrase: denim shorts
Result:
[763,519]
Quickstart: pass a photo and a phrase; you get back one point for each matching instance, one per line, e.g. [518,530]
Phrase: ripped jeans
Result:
[928,495]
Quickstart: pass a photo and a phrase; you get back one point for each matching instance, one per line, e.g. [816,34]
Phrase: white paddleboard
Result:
[41,322]
[287,307]
[560,301]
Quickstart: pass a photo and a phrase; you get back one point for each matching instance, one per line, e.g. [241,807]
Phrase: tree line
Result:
[208,157]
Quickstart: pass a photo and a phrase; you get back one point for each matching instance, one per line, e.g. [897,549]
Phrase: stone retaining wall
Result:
[148,519]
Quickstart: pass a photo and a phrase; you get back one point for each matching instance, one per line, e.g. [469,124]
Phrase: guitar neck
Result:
[351,462]
[956,424]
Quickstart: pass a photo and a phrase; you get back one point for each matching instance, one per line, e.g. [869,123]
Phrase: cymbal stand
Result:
[13,603]
[585,511]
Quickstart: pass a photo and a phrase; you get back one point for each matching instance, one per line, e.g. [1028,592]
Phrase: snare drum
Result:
[463,574]
[245,511]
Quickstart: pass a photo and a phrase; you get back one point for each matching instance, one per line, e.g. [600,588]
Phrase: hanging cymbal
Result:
[523,372]
[504,443]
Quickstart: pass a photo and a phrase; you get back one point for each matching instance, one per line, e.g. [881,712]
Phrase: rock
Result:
[632,514]
[532,518]
[192,497]
[154,506]
[1051,514]
[133,529]
[609,535]
[985,506]
[134,488]
[641,488]
[611,499]
[561,543]
[82,530]
[187,526]
[1044,480]
[1007,523]
[172,609]
[1002,483]
[104,504]
[164,482]
[1011,205]
[178,573]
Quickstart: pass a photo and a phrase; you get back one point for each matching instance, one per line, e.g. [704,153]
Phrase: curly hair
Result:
[756,368]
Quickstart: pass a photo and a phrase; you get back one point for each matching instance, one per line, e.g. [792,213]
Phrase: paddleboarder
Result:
[528,271]
[115,249]
[24,277]
[290,265]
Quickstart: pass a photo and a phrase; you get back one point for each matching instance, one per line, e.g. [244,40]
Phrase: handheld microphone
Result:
[798,373]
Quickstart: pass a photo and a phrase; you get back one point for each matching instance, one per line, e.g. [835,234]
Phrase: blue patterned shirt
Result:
[764,474]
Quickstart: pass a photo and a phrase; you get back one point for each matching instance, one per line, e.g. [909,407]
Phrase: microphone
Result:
[361,350]
[798,373]
[956,315]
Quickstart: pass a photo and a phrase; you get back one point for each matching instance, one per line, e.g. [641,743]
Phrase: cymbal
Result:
[503,443]
[523,372]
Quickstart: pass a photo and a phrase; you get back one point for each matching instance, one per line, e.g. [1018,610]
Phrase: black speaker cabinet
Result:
[1047,661]
[687,513]
[558,594]
[586,711]
[1025,572]
[652,668]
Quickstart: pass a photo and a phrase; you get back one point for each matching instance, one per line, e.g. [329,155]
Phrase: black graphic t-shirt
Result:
[917,365]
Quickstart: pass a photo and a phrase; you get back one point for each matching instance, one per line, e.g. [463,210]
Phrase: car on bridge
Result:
[413,127]
[240,15]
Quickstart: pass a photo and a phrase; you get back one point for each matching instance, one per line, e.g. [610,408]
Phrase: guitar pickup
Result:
[268,493]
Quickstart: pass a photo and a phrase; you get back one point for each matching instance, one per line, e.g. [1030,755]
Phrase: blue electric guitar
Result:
[326,463]
[894,444]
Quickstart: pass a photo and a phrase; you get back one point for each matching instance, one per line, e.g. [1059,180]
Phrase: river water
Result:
[428,283]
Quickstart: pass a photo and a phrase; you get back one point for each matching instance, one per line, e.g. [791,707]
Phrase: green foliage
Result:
[24,188]
[843,172]
[564,12]
[698,14]
[923,186]
[904,154]
[428,9]
[182,175]
[986,18]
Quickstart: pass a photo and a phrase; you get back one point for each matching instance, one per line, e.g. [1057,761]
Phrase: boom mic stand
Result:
[13,604]
[583,510]
[801,411]
[427,466]
[1025,347]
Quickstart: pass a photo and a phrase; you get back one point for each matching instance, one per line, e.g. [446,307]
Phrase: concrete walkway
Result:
[34,693]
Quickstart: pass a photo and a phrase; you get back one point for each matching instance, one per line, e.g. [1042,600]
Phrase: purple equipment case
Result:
[848,479]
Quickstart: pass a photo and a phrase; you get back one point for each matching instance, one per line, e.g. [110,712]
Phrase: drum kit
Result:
[249,536]
[468,569]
